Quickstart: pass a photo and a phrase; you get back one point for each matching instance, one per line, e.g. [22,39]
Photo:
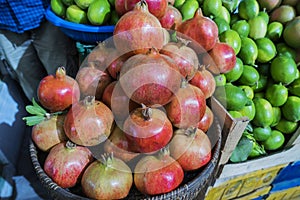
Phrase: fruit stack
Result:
[136,115]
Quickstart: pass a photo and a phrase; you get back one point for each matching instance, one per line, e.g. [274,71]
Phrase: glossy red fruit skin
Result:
[201,30]
[137,31]
[150,79]
[207,120]
[92,81]
[195,151]
[65,165]
[187,107]
[118,144]
[59,92]
[171,19]
[147,134]
[184,56]
[88,122]
[155,175]
[222,57]
[120,7]
[119,103]
[204,80]
[157,8]
[49,132]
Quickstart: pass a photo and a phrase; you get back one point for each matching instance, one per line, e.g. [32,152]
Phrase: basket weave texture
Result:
[194,185]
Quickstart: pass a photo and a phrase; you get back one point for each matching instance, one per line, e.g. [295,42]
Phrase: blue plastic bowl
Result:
[80,32]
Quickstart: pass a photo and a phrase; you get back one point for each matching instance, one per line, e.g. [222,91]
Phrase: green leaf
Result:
[33,120]
[242,150]
[38,107]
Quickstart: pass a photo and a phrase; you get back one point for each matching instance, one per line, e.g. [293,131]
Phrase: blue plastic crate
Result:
[292,171]
[89,34]
[285,185]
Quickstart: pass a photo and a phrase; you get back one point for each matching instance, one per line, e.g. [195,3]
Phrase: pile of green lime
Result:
[264,85]
[92,12]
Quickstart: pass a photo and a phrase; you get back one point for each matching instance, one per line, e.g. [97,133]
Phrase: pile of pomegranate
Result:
[136,115]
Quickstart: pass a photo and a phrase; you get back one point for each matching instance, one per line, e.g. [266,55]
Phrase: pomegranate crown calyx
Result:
[107,159]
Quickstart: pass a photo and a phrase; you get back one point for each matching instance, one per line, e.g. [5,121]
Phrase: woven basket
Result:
[194,185]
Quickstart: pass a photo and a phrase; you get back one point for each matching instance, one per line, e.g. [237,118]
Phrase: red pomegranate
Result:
[157,8]
[88,122]
[187,107]
[138,30]
[66,163]
[207,120]
[59,92]
[150,79]
[171,19]
[202,30]
[147,130]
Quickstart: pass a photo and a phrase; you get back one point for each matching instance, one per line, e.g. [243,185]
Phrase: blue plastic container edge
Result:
[57,21]
[285,185]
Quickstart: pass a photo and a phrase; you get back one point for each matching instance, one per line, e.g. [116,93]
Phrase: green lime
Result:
[291,109]
[283,69]
[212,8]
[262,133]
[250,76]
[232,97]
[276,94]
[248,52]
[232,38]
[178,3]
[284,49]
[114,17]
[76,15]
[264,15]
[258,27]
[99,12]
[230,5]
[277,116]
[241,27]
[221,24]
[248,111]
[58,7]
[274,31]
[264,112]
[287,127]
[220,79]
[294,87]
[248,91]
[248,9]
[291,33]
[188,9]
[235,114]
[83,4]
[261,83]
[236,71]
[225,14]
[266,50]
[275,141]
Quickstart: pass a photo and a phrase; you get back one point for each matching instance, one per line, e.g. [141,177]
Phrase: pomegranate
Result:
[188,107]
[207,120]
[221,59]
[194,151]
[171,19]
[88,122]
[156,7]
[138,30]
[66,163]
[159,174]
[150,79]
[92,81]
[120,7]
[57,93]
[202,30]
[116,99]
[115,62]
[108,178]
[147,129]
[204,80]
[184,56]
[49,132]
[119,146]
[98,56]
